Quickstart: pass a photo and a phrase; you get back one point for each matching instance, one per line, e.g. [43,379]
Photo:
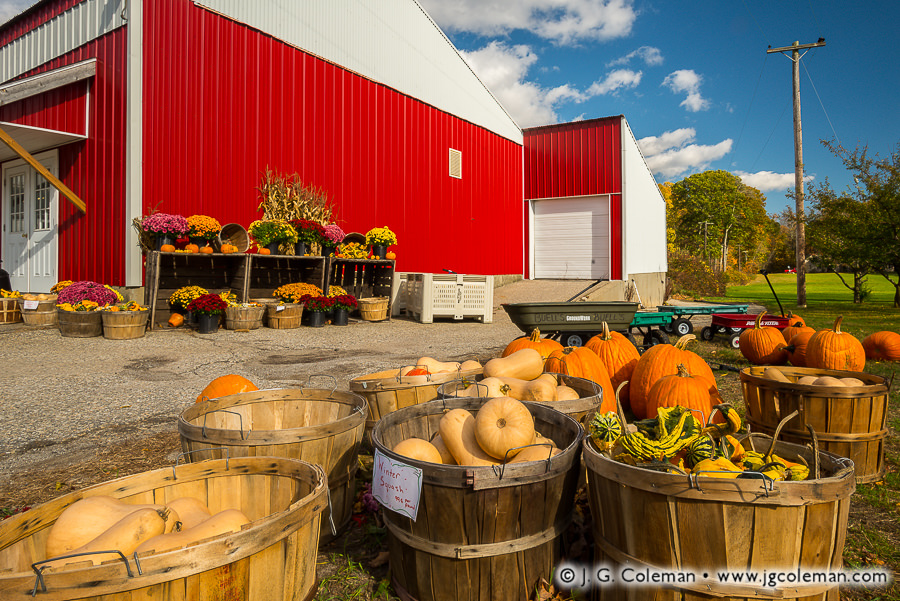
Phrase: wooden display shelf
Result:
[363,278]
[246,275]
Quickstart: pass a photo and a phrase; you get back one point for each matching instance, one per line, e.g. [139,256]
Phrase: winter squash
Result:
[582,362]
[88,518]
[192,248]
[566,393]
[224,522]
[882,346]
[662,360]
[206,250]
[190,510]
[540,390]
[681,389]
[457,429]
[227,249]
[416,448]
[796,347]
[833,349]
[446,455]
[544,346]
[502,425]
[469,364]
[763,345]
[225,385]
[795,320]
[437,367]
[176,320]
[264,251]
[537,452]
[525,364]
[791,331]
[619,356]
[391,256]
[485,389]
[167,248]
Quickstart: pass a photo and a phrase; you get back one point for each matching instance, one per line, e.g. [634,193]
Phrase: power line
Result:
[808,76]
[750,107]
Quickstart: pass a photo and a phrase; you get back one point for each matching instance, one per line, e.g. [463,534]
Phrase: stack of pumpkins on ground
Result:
[643,383]
[803,346]
[101,523]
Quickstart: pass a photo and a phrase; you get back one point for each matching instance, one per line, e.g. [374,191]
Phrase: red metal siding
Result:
[36,15]
[91,246]
[223,102]
[583,158]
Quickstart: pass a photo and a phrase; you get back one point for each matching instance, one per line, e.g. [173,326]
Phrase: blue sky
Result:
[693,78]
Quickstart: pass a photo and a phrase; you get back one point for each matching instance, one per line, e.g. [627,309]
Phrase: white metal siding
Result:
[571,238]
[393,42]
[644,229]
[76,27]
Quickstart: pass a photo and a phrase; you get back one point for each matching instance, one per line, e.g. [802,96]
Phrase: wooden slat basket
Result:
[284,316]
[693,523]
[272,558]
[373,309]
[80,324]
[9,311]
[849,422]
[388,391]
[319,425]
[43,315]
[481,532]
[124,325]
[244,318]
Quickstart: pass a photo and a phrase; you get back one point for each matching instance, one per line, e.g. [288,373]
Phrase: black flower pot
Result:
[162,239]
[379,250]
[327,250]
[316,319]
[273,247]
[208,324]
[341,317]
[300,249]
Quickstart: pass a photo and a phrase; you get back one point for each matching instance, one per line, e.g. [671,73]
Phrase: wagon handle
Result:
[39,571]
[240,419]
[180,455]
[768,483]
[309,381]
[502,466]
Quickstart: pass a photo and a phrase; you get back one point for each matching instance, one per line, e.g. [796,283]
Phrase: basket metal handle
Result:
[327,376]
[180,455]
[499,469]
[768,483]
[39,571]
[240,420]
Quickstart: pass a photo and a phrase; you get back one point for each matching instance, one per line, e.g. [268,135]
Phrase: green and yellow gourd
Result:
[699,449]
[660,439]
[605,429]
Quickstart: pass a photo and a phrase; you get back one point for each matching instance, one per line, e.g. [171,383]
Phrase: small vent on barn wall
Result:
[455,164]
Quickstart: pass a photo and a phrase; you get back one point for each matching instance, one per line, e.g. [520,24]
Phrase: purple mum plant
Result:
[164,223]
[87,290]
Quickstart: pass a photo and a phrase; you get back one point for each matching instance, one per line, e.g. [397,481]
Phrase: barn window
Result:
[455,164]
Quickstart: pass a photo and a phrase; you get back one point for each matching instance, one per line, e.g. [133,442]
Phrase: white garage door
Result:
[571,238]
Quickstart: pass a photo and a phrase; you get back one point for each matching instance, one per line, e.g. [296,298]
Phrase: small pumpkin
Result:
[582,362]
[763,345]
[264,251]
[882,346]
[416,448]
[502,425]
[227,249]
[225,385]
[681,389]
[834,349]
[391,256]
[176,320]
[795,320]
[619,356]
[206,250]
[796,347]
[791,331]
[544,346]
[167,248]
[192,248]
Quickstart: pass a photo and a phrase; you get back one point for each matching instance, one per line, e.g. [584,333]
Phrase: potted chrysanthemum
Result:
[343,304]
[334,235]
[379,239]
[209,309]
[272,233]
[317,307]
[308,233]
[166,227]
[203,229]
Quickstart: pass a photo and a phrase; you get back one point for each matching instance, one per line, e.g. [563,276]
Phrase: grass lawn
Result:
[873,537]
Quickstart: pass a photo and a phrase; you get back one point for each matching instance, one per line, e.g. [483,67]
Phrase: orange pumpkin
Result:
[763,345]
[582,362]
[391,256]
[176,320]
[796,347]
[662,360]
[167,248]
[833,349]
[206,250]
[264,251]
[791,331]
[544,346]
[192,248]
[225,385]
[227,249]
[795,320]
[681,389]
[882,346]
[619,356]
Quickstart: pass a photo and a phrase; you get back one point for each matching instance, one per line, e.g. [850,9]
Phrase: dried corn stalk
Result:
[287,197]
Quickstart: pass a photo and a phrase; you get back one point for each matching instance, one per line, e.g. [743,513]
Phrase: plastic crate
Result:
[430,295]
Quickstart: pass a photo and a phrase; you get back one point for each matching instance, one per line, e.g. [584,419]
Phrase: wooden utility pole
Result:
[795,57]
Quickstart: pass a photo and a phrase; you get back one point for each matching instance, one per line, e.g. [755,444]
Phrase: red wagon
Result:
[731,325]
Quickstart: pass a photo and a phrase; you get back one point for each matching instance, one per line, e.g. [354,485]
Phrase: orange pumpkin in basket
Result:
[225,385]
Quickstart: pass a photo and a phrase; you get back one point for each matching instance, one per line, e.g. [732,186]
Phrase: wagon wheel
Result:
[707,334]
[681,327]
[736,340]
[575,338]
[654,337]
[632,340]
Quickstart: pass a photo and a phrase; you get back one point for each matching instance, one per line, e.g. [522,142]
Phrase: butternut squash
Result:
[125,535]
[538,452]
[525,364]
[852,382]
[416,448]
[88,518]
[773,373]
[457,428]
[437,367]
[827,381]
[541,389]
[224,522]
[487,388]
[469,364]
[566,393]
[807,380]
[441,446]
[190,510]
[502,426]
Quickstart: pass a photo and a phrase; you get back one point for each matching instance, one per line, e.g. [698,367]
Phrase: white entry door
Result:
[30,219]
[571,238]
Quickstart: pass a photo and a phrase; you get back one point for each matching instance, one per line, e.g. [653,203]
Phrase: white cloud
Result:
[687,81]
[563,21]
[503,68]
[766,181]
[670,154]
[11,8]
[650,55]
[620,78]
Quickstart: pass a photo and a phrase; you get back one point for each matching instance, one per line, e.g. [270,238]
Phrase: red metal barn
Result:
[180,105]
[593,209]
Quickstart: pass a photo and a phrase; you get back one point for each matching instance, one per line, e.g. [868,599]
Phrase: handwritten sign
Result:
[396,485]
[30,304]
[279,308]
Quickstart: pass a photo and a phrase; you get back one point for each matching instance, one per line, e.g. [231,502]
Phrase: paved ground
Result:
[62,397]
